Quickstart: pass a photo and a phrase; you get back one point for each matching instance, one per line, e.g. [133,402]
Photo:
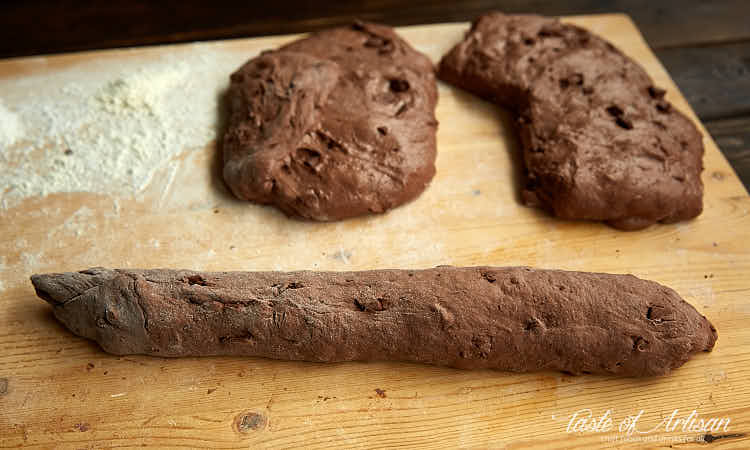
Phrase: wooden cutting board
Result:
[57,390]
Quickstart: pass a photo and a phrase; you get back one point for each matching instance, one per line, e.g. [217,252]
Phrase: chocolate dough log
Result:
[510,318]
[336,125]
[600,142]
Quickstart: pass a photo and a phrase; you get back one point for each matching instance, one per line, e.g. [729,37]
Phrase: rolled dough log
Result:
[509,318]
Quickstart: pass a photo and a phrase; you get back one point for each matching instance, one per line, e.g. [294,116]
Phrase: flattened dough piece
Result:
[600,142]
[336,125]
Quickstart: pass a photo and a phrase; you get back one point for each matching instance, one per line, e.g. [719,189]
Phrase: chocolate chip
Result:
[656,92]
[624,123]
[615,111]
[399,85]
[663,106]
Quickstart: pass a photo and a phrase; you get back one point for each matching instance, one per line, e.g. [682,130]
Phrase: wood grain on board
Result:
[57,390]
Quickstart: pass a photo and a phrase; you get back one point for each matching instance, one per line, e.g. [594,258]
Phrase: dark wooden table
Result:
[705,45]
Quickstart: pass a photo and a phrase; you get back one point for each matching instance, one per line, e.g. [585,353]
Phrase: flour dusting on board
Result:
[108,129]
[10,128]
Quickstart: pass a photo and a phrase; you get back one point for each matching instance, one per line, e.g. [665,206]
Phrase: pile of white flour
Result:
[106,128]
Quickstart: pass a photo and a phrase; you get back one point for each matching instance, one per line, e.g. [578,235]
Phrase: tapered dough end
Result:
[98,304]
[60,288]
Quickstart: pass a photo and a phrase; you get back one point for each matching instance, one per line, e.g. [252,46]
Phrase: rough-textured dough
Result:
[512,318]
[336,125]
[600,142]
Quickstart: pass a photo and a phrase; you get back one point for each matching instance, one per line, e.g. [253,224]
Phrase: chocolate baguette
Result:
[509,318]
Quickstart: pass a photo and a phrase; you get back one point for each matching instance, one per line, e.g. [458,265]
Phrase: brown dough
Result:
[508,318]
[336,125]
[600,142]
